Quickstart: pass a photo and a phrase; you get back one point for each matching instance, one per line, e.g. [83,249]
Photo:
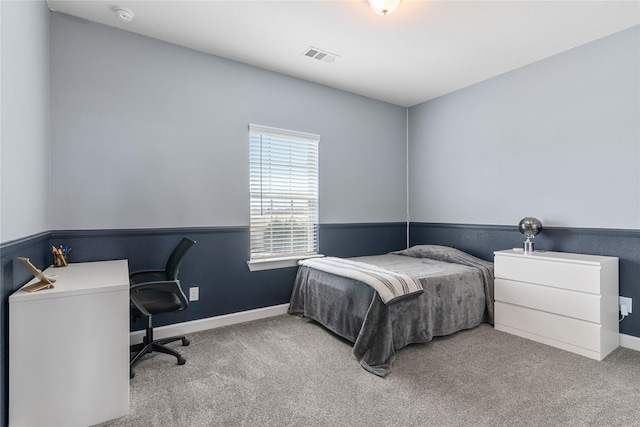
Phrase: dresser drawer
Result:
[564,329]
[565,275]
[568,303]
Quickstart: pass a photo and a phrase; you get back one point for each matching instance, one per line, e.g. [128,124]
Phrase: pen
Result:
[60,255]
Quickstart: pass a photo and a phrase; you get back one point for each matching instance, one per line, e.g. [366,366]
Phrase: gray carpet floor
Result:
[286,371]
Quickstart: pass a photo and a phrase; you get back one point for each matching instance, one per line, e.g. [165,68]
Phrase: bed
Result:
[457,294]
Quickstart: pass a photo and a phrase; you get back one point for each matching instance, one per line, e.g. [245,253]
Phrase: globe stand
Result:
[528,246]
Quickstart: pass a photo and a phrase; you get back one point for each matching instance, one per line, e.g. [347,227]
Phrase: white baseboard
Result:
[210,323]
[629,341]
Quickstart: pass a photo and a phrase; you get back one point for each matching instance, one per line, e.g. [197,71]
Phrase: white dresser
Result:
[565,300]
[69,347]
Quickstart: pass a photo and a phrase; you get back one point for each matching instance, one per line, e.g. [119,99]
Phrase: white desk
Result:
[69,347]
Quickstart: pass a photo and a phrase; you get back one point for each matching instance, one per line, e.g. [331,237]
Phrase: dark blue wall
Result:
[483,240]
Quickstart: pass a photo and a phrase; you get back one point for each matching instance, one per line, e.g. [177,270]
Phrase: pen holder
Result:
[60,260]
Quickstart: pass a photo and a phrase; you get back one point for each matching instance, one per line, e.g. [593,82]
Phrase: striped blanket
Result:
[390,285]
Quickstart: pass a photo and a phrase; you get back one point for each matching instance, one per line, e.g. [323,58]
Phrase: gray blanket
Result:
[458,295]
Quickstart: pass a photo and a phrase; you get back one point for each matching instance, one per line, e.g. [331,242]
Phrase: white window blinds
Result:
[284,193]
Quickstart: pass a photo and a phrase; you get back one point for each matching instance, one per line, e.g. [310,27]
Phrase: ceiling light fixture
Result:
[123,14]
[383,7]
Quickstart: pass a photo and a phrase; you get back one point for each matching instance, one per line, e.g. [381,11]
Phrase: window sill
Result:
[273,263]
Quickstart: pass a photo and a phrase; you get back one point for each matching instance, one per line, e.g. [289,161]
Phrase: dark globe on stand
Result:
[530,227]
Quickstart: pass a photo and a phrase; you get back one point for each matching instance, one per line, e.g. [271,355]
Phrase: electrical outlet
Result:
[628,302]
[194,294]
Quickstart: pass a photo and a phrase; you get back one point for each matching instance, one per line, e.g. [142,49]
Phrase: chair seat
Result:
[157,302]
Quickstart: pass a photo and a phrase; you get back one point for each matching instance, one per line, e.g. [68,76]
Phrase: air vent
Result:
[320,55]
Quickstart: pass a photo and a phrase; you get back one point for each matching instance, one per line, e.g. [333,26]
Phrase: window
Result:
[283,168]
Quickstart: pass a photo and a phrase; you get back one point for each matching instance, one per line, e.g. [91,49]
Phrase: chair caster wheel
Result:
[185,342]
[182,361]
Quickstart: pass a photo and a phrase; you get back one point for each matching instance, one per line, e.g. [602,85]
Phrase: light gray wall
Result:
[558,140]
[24,119]
[148,134]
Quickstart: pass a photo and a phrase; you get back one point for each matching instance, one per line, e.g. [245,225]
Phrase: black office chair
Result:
[155,292]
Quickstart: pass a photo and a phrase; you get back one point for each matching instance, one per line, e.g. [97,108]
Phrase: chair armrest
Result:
[160,274]
[172,286]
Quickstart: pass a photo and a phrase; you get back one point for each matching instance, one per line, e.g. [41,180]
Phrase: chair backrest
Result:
[173,263]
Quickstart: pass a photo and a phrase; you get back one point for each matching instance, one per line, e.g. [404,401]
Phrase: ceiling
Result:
[423,50]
